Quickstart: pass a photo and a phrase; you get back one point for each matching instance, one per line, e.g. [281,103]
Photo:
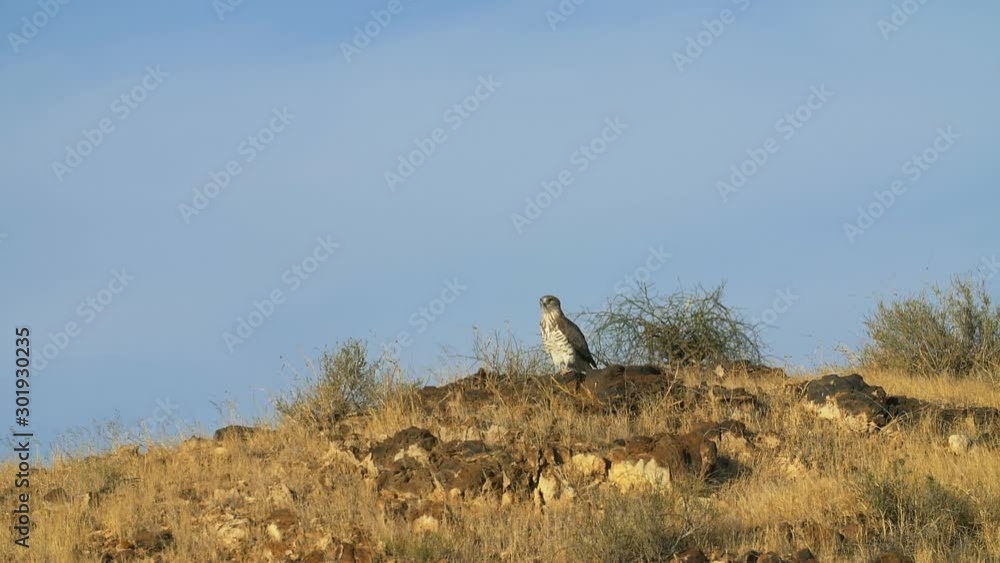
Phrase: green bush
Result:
[954,330]
[345,382]
[682,328]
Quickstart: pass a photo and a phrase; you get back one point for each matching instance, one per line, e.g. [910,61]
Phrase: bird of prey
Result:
[562,338]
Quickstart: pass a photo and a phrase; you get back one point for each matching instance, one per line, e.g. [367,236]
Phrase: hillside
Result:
[624,464]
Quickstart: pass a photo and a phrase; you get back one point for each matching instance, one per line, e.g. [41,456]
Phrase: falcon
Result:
[562,338]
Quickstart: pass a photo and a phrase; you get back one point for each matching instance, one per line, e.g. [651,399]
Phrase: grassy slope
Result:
[910,490]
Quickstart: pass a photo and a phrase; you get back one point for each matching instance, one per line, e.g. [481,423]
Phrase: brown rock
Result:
[471,468]
[691,555]
[848,400]
[415,465]
[106,546]
[281,495]
[867,408]
[959,443]
[153,542]
[426,516]
[721,556]
[551,489]
[316,556]
[231,531]
[351,553]
[914,408]
[732,437]
[235,432]
[893,556]
[414,442]
[476,392]
[406,478]
[589,464]
[57,495]
[656,460]
[278,551]
[622,387]
[732,397]
[853,532]
[280,523]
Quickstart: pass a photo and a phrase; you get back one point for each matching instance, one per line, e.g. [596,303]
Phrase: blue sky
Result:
[197,86]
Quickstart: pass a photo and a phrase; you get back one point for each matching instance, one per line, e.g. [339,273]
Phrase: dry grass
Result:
[937,388]
[909,491]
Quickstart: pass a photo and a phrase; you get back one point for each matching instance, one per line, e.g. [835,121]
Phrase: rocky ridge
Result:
[423,475]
